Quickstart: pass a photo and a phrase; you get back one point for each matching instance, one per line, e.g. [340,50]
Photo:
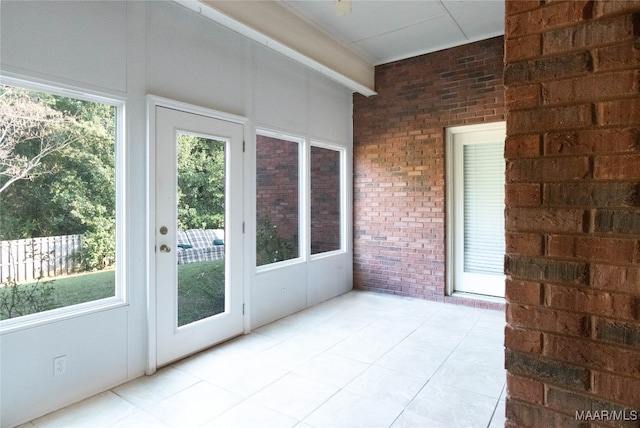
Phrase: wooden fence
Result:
[24,260]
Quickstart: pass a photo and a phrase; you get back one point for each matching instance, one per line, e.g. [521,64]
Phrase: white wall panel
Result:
[193,60]
[75,42]
[330,108]
[329,277]
[96,350]
[277,293]
[129,49]
[280,92]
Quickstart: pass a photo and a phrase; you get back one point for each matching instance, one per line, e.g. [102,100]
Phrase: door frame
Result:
[154,101]
[452,216]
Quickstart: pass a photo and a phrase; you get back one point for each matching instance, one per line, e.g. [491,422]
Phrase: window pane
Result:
[325,200]
[201,211]
[277,190]
[57,201]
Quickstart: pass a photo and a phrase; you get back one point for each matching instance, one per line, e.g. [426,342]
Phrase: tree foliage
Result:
[57,172]
[70,188]
[201,183]
[30,130]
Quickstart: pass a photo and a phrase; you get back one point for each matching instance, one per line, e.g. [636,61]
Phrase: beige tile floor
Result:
[359,360]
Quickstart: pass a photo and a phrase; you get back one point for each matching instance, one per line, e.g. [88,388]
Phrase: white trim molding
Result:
[276,27]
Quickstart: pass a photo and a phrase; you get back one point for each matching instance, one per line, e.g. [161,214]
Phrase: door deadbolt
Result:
[163,230]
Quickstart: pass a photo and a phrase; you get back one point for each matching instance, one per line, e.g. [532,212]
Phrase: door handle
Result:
[165,248]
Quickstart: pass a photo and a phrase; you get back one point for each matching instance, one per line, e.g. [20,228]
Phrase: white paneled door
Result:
[198,232]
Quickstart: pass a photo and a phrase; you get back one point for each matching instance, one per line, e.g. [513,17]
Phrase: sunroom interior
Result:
[253,77]
[219,60]
[224,60]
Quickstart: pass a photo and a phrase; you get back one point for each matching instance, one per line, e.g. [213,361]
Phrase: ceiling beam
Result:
[275,26]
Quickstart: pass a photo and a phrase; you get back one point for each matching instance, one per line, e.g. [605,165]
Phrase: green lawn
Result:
[80,288]
[200,291]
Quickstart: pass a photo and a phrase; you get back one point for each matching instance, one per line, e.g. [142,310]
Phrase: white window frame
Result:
[454,218]
[304,198]
[120,297]
[343,199]
[302,201]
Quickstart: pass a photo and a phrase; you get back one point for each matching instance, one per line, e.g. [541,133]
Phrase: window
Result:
[277,198]
[325,200]
[282,203]
[59,210]
[475,218]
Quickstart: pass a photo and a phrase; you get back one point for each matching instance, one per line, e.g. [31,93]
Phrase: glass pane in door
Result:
[201,224]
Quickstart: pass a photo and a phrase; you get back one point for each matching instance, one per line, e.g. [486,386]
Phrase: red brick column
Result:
[573,212]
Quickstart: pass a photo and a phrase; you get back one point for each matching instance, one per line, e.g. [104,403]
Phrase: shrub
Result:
[270,246]
[24,299]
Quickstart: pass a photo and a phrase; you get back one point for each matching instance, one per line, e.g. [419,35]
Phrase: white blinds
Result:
[484,169]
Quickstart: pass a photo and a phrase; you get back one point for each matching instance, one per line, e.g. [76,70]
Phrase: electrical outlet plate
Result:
[60,365]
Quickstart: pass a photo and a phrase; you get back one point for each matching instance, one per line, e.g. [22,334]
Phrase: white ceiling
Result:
[346,48]
[383,31]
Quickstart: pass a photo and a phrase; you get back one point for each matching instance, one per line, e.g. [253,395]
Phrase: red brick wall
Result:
[277,184]
[399,165]
[325,199]
[573,211]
